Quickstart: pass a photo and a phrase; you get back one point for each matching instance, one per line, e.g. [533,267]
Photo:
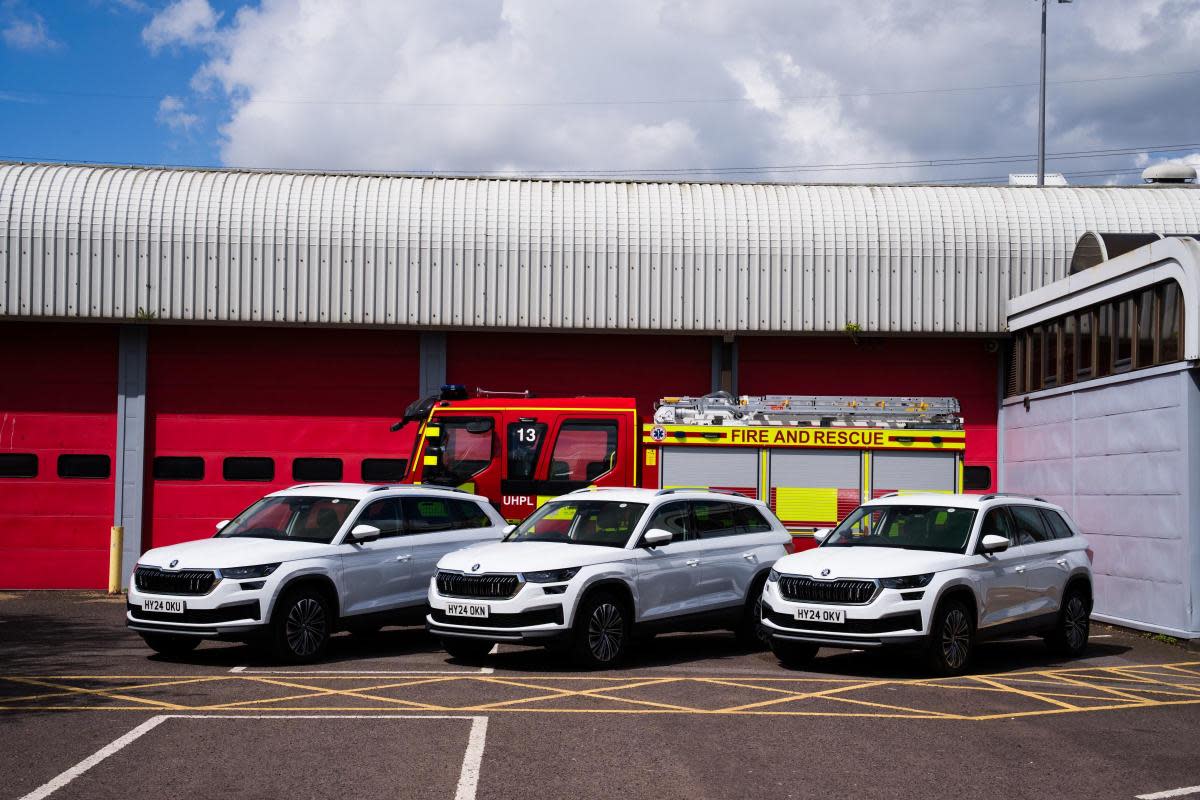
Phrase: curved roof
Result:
[99,242]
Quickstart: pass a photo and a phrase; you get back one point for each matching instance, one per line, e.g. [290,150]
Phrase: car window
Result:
[583,451]
[1030,527]
[749,519]
[598,522]
[428,514]
[468,514]
[714,519]
[1056,524]
[524,445]
[675,518]
[384,514]
[997,523]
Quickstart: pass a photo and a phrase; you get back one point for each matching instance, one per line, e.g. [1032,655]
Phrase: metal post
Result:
[1041,167]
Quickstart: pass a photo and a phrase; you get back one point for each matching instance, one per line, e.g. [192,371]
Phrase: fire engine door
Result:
[814,488]
[699,467]
[463,454]
[913,472]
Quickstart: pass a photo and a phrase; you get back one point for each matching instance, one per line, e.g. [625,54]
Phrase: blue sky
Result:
[802,90]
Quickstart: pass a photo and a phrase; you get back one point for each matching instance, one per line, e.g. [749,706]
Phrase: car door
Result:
[434,526]
[374,574]
[729,559]
[1002,584]
[669,576]
[1044,576]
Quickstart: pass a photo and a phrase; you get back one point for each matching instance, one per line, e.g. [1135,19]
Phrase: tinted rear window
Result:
[383,470]
[1058,526]
[317,469]
[84,466]
[1030,527]
[18,465]
[179,468]
[248,469]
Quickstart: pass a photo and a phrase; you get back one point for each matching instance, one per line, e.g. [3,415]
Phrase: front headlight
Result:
[241,573]
[773,575]
[551,575]
[907,582]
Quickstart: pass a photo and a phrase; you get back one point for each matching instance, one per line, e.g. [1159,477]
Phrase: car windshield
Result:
[918,527]
[606,523]
[306,519]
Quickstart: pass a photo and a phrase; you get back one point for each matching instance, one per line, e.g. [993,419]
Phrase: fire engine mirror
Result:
[222,524]
[479,426]
[993,544]
[364,533]
[657,536]
[821,534]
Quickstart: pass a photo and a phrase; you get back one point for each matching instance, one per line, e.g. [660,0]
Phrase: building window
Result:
[977,478]
[18,465]
[384,470]
[1171,324]
[1084,345]
[1068,348]
[1104,341]
[1050,354]
[1123,335]
[84,466]
[317,469]
[1146,322]
[1036,367]
[244,468]
[178,468]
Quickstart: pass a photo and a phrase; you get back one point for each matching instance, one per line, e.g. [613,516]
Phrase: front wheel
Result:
[951,639]
[602,627]
[468,651]
[1070,635]
[170,645]
[300,627]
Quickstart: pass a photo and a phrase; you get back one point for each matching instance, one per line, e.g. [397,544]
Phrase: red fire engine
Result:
[811,459]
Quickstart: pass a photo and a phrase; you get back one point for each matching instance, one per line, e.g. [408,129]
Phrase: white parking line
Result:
[468,778]
[1186,790]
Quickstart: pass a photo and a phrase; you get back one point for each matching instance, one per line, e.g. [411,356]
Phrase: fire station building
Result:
[178,342]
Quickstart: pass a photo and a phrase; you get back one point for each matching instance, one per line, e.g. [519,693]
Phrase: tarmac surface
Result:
[87,711]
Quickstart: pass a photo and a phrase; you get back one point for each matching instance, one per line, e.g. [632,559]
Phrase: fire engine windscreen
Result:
[465,448]
[911,527]
[594,522]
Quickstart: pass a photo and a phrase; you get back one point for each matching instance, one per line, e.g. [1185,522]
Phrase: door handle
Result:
[1062,562]
[750,556]
[693,562]
[404,558]
[1021,570]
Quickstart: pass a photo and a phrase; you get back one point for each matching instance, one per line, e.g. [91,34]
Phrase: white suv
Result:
[301,563]
[937,571]
[588,569]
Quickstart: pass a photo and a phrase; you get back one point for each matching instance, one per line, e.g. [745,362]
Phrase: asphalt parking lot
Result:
[87,711]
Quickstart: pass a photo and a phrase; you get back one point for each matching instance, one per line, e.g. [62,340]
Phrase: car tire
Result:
[166,644]
[951,639]
[748,635]
[602,631]
[1070,635]
[468,651]
[794,655]
[300,627]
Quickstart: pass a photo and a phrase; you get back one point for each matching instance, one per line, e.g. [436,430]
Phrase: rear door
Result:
[669,576]
[732,534]
[1044,576]
[436,525]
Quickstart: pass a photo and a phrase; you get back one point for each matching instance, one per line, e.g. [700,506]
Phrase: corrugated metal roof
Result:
[95,242]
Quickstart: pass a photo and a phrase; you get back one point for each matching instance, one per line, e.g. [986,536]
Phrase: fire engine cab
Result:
[812,459]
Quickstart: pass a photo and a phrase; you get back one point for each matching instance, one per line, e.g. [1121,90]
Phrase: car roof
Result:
[361,491]
[630,495]
[974,501]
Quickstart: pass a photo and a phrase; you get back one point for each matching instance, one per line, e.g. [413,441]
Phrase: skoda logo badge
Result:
[474,568]
[824,572]
[173,563]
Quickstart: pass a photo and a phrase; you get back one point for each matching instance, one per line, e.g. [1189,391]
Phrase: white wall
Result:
[1120,458]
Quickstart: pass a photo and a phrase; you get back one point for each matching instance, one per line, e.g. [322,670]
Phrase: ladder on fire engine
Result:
[722,408]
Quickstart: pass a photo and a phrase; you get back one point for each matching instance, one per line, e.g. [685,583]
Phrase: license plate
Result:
[836,616]
[163,606]
[467,609]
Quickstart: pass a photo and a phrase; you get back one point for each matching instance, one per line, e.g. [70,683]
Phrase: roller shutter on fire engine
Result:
[734,469]
[814,488]
[912,472]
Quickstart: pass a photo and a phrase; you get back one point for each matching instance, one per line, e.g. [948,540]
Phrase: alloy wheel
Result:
[1075,623]
[305,627]
[606,629]
[956,638]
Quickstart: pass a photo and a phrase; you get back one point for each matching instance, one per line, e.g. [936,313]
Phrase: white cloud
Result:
[534,84]
[173,113]
[28,31]
[183,23]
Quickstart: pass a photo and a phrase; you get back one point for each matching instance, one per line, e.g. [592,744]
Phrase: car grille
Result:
[185,581]
[910,620]
[493,587]
[844,591]
[525,619]
[201,616]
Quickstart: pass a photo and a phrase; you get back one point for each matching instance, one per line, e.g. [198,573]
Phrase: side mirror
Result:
[507,529]
[993,544]
[363,533]
[657,536]
[821,534]
[222,524]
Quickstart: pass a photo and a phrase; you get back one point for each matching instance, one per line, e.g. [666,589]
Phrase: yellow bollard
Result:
[114,558]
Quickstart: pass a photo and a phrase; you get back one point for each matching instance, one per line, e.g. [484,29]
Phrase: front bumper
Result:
[888,619]
[532,615]
[228,611]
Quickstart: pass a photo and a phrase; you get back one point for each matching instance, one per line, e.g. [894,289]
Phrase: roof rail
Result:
[700,489]
[423,486]
[994,495]
[587,489]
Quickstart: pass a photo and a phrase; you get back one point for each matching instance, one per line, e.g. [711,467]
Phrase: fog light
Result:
[252,585]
